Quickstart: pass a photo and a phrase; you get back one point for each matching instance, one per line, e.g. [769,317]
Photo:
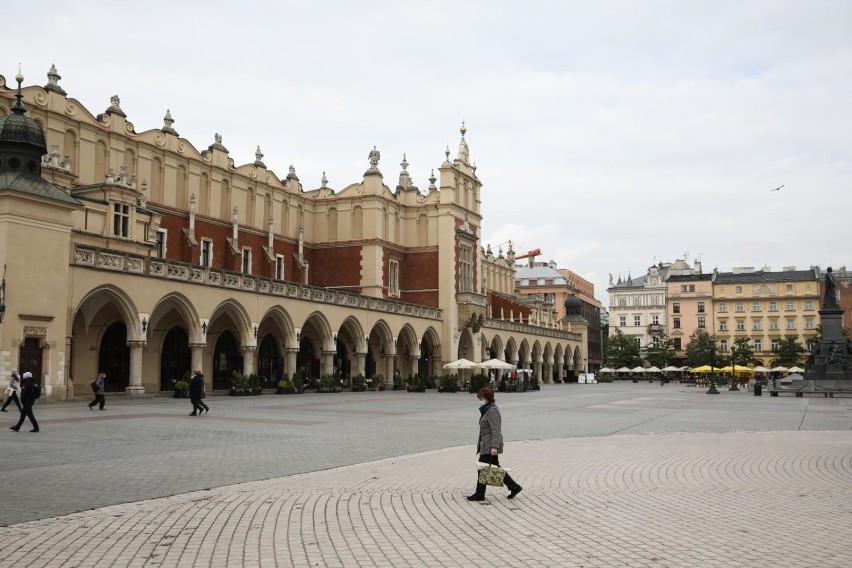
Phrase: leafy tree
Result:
[789,352]
[622,351]
[742,352]
[659,355]
[701,350]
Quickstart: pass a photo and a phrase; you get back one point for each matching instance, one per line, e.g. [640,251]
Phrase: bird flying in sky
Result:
[777,188]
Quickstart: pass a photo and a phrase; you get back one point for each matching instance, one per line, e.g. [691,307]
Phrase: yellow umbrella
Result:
[702,369]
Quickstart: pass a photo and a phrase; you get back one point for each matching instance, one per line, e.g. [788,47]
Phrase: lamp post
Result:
[713,389]
[734,354]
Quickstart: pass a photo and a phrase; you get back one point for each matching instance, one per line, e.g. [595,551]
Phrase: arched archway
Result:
[270,365]
[175,358]
[227,358]
[430,350]
[114,357]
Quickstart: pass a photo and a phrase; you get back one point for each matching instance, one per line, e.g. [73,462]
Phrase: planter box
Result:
[448,389]
[286,390]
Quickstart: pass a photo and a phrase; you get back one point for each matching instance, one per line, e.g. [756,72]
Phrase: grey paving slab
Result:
[608,468]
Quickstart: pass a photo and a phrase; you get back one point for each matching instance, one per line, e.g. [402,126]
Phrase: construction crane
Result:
[530,255]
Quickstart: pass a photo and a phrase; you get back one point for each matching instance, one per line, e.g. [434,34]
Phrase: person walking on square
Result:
[490,442]
[12,392]
[196,393]
[30,391]
[98,388]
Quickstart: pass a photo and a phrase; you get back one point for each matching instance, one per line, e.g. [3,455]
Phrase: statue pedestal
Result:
[831,320]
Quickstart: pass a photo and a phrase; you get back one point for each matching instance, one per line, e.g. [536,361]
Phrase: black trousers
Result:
[13,396]
[27,412]
[99,398]
[198,405]
[480,487]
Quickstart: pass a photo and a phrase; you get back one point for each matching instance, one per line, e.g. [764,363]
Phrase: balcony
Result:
[656,328]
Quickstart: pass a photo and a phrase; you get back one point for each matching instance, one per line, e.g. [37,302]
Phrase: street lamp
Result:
[713,389]
[734,354]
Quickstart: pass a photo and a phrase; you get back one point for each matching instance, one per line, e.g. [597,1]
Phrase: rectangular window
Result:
[740,325]
[791,324]
[723,307]
[789,287]
[809,323]
[790,306]
[774,344]
[773,306]
[701,322]
[755,306]
[723,345]
[739,289]
[160,241]
[676,307]
[700,307]
[655,319]
[723,325]
[677,343]
[773,324]
[655,341]
[756,325]
[676,323]
[393,278]
[206,253]
[637,320]
[809,304]
[687,287]
[465,269]
[758,345]
[246,261]
[279,267]
[740,307]
[622,321]
[121,220]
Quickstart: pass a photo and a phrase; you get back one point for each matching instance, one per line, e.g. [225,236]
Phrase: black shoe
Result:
[34,430]
[90,407]
[192,414]
[13,428]
[3,410]
[102,409]
[206,410]
[515,491]
[475,497]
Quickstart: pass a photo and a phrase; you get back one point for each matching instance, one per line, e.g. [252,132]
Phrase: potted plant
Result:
[329,383]
[181,389]
[534,384]
[414,384]
[449,383]
[285,386]
[359,383]
[397,382]
[377,382]
[477,382]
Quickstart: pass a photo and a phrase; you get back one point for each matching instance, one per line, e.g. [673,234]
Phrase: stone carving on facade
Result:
[374,156]
[167,123]
[217,143]
[115,106]
[35,331]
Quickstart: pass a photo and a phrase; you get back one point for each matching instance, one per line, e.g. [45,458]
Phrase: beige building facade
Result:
[141,255]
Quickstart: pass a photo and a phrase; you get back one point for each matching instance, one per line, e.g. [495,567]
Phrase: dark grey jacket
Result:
[490,430]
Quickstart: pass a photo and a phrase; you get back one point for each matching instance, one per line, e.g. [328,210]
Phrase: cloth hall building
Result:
[139,254]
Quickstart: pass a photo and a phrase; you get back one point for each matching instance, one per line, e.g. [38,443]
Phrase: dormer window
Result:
[121,220]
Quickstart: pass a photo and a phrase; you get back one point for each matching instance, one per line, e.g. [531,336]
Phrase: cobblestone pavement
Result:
[613,475]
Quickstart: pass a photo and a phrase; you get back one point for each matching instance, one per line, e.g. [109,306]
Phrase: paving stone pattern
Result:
[613,475]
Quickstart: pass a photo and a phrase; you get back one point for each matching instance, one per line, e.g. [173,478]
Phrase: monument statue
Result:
[830,300]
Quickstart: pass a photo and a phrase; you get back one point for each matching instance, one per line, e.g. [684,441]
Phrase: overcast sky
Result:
[608,134]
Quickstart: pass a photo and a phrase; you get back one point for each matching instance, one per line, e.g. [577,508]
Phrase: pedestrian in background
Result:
[196,393]
[490,442]
[98,388]
[30,391]
[12,392]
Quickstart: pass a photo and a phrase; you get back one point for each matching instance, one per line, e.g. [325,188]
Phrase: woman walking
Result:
[490,442]
[12,392]
[98,388]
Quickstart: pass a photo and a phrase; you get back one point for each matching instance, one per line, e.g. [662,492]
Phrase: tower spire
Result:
[18,106]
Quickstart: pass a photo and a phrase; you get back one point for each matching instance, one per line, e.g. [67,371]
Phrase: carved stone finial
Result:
[447,154]
[324,180]
[463,130]
[217,138]
[53,81]
[374,156]
[217,143]
[404,163]
[167,123]
[432,180]
[115,106]
[291,174]
[258,158]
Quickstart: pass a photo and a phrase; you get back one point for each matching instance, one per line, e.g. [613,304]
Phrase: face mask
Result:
[481,403]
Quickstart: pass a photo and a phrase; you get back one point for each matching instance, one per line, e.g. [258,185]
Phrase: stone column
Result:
[361,364]
[197,356]
[548,373]
[413,361]
[390,359]
[248,358]
[290,361]
[135,388]
[537,369]
[327,363]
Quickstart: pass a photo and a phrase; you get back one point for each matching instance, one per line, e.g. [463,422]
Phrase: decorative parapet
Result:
[531,329]
[194,274]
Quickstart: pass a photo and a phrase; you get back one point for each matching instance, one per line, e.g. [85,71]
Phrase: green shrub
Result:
[329,383]
[181,388]
[449,381]
[359,383]
[478,381]
[285,384]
